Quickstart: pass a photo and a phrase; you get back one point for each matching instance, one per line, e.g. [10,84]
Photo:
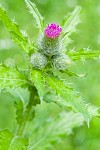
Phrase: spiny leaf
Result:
[62,75]
[11,78]
[9,142]
[19,105]
[71,20]
[5,139]
[70,73]
[36,14]
[19,110]
[92,110]
[23,43]
[84,54]
[53,128]
[19,143]
[37,78]
[69,24]
[74,101]
[13,29]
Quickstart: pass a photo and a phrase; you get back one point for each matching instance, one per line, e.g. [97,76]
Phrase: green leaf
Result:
[19,110]
[84,54]
[19,143]
[13,28]
[69,24]
[70,73]
[62,75]
[11,78]
[93,110]
[5,139]
[73,100]
[36,14]
[37,79]
[50,130]
[9,142]
[19,104]
[21,96]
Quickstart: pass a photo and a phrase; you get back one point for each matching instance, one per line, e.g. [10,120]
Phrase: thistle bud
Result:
[61,62]
[49,42]
[38,60]
[53,31]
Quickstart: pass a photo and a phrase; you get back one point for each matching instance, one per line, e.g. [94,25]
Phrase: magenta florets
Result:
[53,31]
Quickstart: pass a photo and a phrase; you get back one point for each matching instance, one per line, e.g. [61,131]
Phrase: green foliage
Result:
[18,103]
[5,139]
[51,130]
[37,79]
[36,14]
[9,142]
[11,78]
[73,100]
[69,24]
[93,111]
[84,54]
[19,143]
[46,84]
[13,29]
[70,73]
[63,75]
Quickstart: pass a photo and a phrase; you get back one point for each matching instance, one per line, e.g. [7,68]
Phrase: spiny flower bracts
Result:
[61,62]
[38,60]
[49,47]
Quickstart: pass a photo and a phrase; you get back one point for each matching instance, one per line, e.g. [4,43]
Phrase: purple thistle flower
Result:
[53,31]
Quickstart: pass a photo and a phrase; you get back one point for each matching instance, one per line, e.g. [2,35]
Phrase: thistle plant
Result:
[44,79]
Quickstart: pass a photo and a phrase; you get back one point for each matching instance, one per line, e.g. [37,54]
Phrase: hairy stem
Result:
[27,112]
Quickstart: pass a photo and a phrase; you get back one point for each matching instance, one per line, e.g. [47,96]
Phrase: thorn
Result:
[83,60]
[88,123]
[73,50]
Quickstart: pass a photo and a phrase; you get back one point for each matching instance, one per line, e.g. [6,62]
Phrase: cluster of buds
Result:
[50,49]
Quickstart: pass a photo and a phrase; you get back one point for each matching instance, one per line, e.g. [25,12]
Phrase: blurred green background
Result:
[87,35]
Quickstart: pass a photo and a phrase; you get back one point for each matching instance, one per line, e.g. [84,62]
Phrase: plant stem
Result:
[27,112]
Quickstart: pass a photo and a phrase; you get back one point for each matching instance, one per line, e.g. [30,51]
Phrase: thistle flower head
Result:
[53,31]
